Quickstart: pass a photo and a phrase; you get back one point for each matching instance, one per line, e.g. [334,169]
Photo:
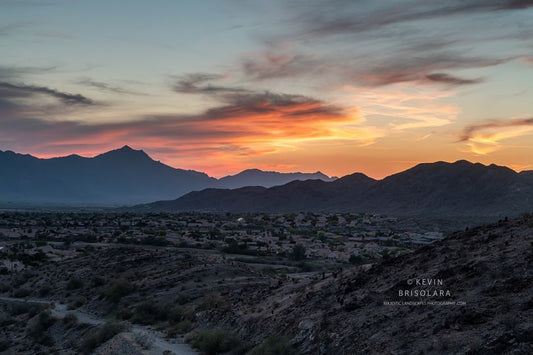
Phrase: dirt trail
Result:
[159,343]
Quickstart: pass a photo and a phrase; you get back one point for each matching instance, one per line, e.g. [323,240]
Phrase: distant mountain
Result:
[121,176]
[256,177]
[460,188]
[124,175]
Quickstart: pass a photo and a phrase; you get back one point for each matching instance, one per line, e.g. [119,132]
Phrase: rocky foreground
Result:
[468,294]
[488,272]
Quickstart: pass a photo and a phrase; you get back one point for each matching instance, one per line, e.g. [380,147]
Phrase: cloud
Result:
[271,64]
[472,131]
[360,17]
[398,66]
[451,80]
[371,43]
[8,90]
[106,87]
[485,138]
[402,105]
[198,83]
[247,125]
[422,69]
[10,72]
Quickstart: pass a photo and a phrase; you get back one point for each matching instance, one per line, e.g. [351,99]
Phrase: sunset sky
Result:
[224,85]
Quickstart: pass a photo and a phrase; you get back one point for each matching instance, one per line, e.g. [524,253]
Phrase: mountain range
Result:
[121,176]
[430,189]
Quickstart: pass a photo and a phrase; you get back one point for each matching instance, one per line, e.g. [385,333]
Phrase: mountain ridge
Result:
[117,177]
[438,188]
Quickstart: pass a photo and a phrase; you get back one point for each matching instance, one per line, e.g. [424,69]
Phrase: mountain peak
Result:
[126,148]
[125,153]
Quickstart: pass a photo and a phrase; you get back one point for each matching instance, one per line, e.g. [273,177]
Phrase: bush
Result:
[44,291]
[100,335]
[38,327]
[356,259]
[21,293]
[152,313]
[15,309]
[76,302]
[118,289]
[274,345]
[70,319]
[215,341]
[4,287]
[74,283]
[181,328]
[5,319]
[97,281]
[298,252]
[5,345]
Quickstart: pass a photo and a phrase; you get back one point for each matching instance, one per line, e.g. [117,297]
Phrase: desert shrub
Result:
[274,345]
[298,252]
[148,313]
[152,312]
[356,259]
[97,281]
[70,319]
[38,327]
[210,302]
[118,289]
[4,287]
[181,328]
[14,309]
[21,293]
[77,302]
[100,335]
[44,291]
[74,283]
[5,344]
[215,341]
[5,319]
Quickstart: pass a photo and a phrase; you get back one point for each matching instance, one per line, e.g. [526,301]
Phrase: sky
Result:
[219,86]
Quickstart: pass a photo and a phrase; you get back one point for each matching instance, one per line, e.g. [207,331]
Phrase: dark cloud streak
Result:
[451,80]
[198,83]
[106,87]
[355,22]
[13,90]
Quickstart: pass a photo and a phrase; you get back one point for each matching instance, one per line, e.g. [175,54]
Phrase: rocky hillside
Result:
[471,293]
[488,272]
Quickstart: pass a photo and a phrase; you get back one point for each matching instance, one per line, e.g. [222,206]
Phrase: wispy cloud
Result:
[485,138]
[9,90]
[106,87]
[11,72]
[404,106]
[356,17]
[423,68]
[452,80]
[200,83]
[278,63]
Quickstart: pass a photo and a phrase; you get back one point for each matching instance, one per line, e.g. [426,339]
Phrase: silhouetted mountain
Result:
[460,188]
[121,176]
[294,196]
[124,175]
[256,177]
